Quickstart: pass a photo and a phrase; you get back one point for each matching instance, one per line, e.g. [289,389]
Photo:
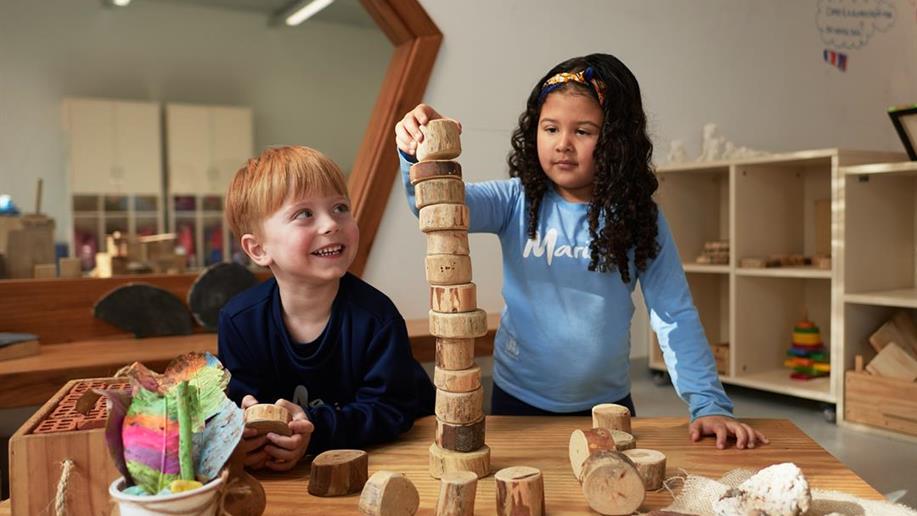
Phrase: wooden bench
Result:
[76,345]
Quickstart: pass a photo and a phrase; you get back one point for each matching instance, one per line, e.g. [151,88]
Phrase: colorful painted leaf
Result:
[205,372]
[118,402]
[221,435]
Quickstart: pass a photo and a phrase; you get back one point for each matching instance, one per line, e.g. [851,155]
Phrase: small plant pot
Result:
[202,501]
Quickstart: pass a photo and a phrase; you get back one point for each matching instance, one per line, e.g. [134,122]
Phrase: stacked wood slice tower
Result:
[455,319]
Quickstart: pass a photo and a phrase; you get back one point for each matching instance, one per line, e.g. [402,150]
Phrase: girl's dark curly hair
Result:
[622,214]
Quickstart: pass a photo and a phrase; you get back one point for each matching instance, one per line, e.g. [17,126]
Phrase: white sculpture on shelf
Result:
[677,152]
[712,144]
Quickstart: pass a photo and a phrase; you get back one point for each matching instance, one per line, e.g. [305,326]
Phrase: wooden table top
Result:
[542,442]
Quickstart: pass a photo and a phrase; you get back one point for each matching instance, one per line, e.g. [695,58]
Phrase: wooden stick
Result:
[611,484]
[338,472]
[453,298]
[388,493]
[448,242]
[267,417]
[443,217]
[651,466]
[459,326]
[611,416]
[460,437]
[447,461]
[460,407]
[454,354]
[439,191]
[858,363]
[441,140]
[585,443]
[447,269]
[520,490]
[457,490]
[38,196]
[464,380]
[435,169]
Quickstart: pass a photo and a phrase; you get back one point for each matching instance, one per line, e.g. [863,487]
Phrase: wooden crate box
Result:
[886,403]
[55,433]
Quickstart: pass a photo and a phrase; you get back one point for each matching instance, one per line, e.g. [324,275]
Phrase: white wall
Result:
[755,68]
[314,85]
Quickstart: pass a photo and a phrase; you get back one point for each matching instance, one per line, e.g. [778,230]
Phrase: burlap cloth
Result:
[697,495]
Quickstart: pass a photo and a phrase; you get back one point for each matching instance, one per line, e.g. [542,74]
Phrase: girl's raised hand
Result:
[407,131]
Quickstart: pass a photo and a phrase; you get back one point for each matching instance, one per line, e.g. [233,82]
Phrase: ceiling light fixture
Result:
[120,3]
[304,11]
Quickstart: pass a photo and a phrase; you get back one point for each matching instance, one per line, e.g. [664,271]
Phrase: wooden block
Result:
[448,242]
[893,362]
[623,440]
[459,326]
[651,466]
[463,380]
[27,247]
[753,262]
[453,298]
[821,262]
[447,269]
[439,191]
[267,417]
[457,490]
[885,403]
[460,437]
[18,345]
[338,472]
[435,169]
[460,407]
[520,490]
[441,140]
[455,354]
[44,270]
[585,443]
[905,325]
[388,493]
[858,363]
[612,484]
[70,267]
[443,217]
[899,329]
[448,461]
[611,416]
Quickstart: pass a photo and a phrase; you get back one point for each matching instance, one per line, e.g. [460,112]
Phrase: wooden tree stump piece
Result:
[460,437]
[453,298]
[267,417]
[144,310]
[439,191]
[441,140]
[338,472]
[214,287]
[443,217]
[448,461]
[651,466]
[388,493]
[611,484]
[623,440]
[460,407]
[585,443]
[435,169]
[447,269]
[520,490]
[457,490]
[464,380]
[611,416]
[448,242]
[454,354]
[459,326]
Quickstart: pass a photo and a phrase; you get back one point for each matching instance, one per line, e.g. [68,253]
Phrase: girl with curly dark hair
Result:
[578,226]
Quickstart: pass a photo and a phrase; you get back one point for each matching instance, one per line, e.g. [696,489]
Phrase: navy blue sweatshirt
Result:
[358,381]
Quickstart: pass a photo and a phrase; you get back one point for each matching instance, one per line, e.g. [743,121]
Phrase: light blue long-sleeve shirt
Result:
[563,344]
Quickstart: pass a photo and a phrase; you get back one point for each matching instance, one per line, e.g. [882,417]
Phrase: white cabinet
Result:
[205,146]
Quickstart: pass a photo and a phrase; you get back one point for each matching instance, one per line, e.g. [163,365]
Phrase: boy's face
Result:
[312,240]
[568,130]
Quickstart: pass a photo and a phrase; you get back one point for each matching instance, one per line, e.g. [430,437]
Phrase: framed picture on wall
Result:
[905,120]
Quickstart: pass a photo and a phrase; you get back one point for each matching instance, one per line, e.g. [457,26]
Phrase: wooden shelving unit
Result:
[876,273]
[766,206]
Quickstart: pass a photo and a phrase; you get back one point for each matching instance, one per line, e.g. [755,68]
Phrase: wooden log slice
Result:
[439,191]
[443,217]
[520,490]
[447,461]
[435,169]
[611,484]
[388,493]
[460,407]
[441,140]
[448,242]
[460,437]
[447,269]
[338,472]
[651,466]
[453,298]
[611,416]
[454,353]
[457,490]
[460,325]
[267,417]
[464,380]
[585,443]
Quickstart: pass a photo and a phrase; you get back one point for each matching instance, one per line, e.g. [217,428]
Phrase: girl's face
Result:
[568,129]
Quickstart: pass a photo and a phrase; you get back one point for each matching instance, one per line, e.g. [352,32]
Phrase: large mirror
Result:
[121,121]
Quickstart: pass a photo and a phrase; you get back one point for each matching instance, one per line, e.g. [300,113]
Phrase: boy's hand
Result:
[407,131]
[284,452]
[723,427]
[252,445]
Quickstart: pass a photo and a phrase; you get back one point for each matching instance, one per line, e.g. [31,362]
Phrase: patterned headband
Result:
[585,77]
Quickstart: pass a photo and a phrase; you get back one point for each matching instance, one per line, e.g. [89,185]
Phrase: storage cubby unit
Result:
[97,215]
[790,204]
